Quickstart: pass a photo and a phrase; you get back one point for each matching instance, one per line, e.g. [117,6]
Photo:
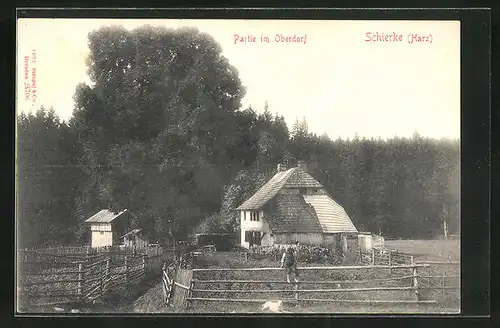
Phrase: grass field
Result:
[430,250]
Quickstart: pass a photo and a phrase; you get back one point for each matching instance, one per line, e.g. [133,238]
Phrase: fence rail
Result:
[350,267]
[303,300]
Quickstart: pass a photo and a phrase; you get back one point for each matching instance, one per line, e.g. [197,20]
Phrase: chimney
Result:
[302,165]
[280,168]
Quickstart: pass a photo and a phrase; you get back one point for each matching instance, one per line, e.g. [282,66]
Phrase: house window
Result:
[303,191]
[244,216]
[254,216]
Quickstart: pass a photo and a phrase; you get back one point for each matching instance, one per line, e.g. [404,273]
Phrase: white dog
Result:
[274,306]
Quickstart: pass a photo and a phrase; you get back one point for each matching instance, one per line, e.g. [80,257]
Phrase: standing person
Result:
[289,262]
[297,249]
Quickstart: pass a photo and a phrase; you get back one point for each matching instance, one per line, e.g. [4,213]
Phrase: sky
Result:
[342,84]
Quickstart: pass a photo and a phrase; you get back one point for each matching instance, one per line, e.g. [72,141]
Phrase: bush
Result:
[307,254]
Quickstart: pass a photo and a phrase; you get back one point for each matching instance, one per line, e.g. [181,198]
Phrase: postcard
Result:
[237,166]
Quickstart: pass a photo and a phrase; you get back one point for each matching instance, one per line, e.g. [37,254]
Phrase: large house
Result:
[107,227]
[293,206]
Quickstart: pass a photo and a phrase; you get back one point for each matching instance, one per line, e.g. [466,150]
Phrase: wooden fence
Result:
[410,283]
[82,251]
[441,279]
[175,275]
[415,281]
[168,274]
[384,257]
[46,279]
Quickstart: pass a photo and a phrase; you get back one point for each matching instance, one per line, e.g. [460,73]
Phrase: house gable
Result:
[293,178]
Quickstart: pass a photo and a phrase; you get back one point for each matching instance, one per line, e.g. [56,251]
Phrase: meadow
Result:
[423,250]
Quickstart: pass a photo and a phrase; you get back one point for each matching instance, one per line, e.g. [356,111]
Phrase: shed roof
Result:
[132,232]
[332,217]
[293,178]
[104,216]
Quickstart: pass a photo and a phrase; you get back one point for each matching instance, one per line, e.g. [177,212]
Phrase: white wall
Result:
[102,238]
[101,235]
[365,243]
[247,225]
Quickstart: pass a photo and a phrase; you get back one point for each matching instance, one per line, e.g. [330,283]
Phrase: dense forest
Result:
[161,132]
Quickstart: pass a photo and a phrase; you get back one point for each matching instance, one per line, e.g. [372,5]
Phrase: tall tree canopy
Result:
[47,179]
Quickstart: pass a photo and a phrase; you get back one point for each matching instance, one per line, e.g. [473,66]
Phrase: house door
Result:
[253,238]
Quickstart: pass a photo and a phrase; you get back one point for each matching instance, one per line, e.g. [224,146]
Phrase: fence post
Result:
[390,262]
[107,273]
[80,278]
[126,269]
[144,264]
[296,292]
[444,283]
[415,280]
[190,291]
[429,276]
[101,281]
[373,256]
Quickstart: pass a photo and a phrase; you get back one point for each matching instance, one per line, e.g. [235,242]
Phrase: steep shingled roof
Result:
[292,178]
[289,213]
[332,217]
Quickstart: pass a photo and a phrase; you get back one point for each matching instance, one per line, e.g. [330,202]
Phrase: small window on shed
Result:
[102,232]
[303,191]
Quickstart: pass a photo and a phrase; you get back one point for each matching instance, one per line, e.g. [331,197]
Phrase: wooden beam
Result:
[180,285]
[351,267]
[339,290]
[308,300]
[439,262]
[308,282]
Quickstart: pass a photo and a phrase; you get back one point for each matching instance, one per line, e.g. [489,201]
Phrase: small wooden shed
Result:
[135,239]
[107,227]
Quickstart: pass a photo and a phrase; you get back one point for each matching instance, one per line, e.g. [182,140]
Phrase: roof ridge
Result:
[267,192]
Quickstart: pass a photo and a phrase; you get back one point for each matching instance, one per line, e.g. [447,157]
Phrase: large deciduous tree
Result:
[159,125]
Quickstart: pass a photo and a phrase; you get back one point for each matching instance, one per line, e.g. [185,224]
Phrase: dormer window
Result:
[254,216]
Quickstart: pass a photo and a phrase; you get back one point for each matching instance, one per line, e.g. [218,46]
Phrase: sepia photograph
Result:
[237,166]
